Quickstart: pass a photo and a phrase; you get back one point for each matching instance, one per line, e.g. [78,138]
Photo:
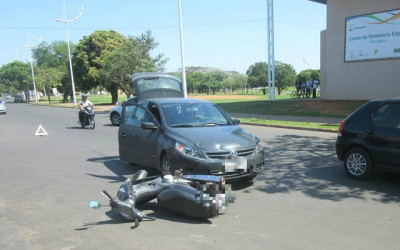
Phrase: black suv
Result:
[370,138]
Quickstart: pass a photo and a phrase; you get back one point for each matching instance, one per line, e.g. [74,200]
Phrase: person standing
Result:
[308,89]
[314,87]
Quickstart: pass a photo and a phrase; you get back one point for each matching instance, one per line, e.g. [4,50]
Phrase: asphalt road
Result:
[303,200]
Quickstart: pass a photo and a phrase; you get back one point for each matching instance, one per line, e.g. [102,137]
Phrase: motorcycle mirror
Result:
[94,204]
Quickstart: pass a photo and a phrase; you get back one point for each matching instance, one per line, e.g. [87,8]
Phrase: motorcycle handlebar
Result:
[107,194]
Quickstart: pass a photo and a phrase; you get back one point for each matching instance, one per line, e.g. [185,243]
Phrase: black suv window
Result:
[387,116]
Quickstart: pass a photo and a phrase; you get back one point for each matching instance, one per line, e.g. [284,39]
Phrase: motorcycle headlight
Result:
[187,150]
[126,211]
[122,193]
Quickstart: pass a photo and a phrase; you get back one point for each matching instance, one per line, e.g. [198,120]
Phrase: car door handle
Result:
[122,134]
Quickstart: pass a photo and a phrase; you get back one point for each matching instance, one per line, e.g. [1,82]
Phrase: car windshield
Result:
[194,115]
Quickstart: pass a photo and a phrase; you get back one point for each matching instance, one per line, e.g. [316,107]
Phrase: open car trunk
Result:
[156,85]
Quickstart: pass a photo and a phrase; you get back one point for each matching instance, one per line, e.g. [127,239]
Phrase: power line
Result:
[162,27]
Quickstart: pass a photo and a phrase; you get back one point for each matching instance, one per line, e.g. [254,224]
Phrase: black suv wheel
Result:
[357,164]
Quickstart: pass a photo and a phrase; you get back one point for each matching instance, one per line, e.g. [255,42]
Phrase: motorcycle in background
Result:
[197,196]
[86,117]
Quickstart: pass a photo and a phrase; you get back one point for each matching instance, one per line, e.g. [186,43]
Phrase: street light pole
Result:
[65,21]
[30,46]
[271,50]
[182,50]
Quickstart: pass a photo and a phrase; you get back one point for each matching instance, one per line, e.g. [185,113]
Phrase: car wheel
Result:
[165,166]
[358,164]
[115,119]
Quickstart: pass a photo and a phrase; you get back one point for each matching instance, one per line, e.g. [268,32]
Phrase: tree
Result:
[54,55]
[258,75]
[308,75]
[285,76]
[48,78]
[194,80]
[89,55]
[215,80]
[53,58]
[16,76]
[133,56]
[235,81]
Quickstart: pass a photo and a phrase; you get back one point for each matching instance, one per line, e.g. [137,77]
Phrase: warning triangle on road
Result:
[40,131]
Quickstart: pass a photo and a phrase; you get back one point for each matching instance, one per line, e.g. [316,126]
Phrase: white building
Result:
[360,50]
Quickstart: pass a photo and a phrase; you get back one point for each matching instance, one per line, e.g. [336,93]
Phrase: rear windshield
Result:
[158,83]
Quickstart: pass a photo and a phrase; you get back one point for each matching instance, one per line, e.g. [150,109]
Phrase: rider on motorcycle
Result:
[82,105]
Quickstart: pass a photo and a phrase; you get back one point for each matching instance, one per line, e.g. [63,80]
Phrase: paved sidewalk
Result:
[324,120]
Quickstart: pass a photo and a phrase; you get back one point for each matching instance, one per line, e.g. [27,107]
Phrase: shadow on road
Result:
[309,165]
[150,209]
[121,169]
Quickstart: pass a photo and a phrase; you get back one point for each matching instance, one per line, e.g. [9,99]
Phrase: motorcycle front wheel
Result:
[92,123]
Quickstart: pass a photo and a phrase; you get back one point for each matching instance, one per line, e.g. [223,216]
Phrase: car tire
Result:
[165,166]
[358,164]
[115,119]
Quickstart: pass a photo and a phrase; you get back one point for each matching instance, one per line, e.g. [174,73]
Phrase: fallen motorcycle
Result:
[197,196]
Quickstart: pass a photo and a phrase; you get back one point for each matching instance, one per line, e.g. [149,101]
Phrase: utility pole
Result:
[182,50]
[271,53]
[65,21]
[30,46]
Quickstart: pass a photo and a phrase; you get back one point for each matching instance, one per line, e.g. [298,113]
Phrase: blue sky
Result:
[225,34]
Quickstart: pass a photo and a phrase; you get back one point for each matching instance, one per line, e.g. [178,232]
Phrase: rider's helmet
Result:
[84,97]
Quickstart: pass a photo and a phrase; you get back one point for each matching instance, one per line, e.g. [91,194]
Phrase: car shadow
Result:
[309,165]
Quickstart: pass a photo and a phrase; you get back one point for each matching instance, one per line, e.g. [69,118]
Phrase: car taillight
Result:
[341,126]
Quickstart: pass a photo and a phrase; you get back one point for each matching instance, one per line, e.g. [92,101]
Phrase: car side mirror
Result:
[149,125]
[237,121]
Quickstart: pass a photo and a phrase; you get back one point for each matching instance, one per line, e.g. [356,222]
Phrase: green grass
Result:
[290,124]
[313,108]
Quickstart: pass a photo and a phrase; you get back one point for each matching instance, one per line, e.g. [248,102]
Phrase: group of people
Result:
[305,89]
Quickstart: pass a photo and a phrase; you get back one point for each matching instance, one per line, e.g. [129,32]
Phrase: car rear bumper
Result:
[340,148]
